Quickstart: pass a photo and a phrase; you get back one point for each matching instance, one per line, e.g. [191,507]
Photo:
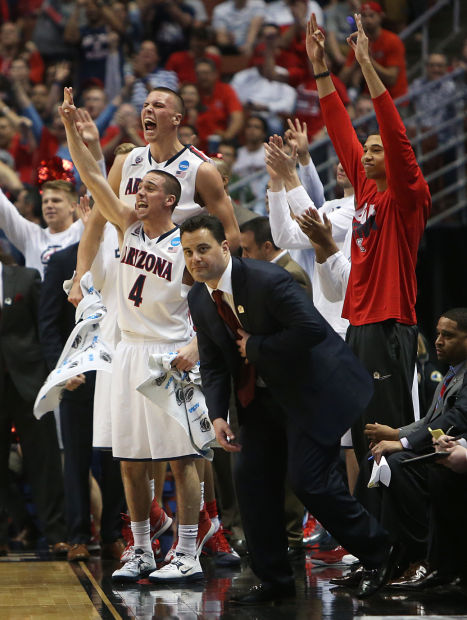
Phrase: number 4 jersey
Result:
[152,300]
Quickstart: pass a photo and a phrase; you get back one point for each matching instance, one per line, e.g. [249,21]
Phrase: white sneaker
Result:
[138,566]
[181,567]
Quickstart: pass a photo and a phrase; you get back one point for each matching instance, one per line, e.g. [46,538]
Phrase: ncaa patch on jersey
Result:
[184,165]
[138,160]
[175,241]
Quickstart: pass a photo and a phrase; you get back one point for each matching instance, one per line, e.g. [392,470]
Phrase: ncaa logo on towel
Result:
[205,425]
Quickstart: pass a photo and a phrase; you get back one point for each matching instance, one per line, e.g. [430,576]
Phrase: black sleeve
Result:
[51,312]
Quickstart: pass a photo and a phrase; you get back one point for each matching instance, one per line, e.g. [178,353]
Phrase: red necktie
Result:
[247,377]
[447,380]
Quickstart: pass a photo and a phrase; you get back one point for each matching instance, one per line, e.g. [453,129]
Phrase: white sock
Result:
[151,488]
[187,539]
[215,521]
[140,530]
[201,484]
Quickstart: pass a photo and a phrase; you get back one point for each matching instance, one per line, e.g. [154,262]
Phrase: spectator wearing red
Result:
[223,115]
[387,54]
[183,62]
[11,48]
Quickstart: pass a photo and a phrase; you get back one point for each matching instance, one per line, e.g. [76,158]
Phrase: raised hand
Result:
[297,135]
[84,210]
[86,126]
[358,41]
[68,109]
[278,163]
[314,42]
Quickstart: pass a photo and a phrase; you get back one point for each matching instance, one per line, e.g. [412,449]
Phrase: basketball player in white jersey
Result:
[153,317]
[202,187]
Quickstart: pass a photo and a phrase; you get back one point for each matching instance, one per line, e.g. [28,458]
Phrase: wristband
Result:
[322,75]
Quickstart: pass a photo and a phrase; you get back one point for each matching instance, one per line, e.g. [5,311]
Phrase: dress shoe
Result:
[374,579]
[351,579]
[78,552]
[61,548]
[430,580]
[113,550]
[415,572]
[264,593]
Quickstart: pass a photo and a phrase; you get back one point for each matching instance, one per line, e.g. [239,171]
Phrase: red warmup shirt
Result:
[389,51]
[307,107]
[388,225]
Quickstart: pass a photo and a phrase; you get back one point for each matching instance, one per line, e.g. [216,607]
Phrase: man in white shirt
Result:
[38,244]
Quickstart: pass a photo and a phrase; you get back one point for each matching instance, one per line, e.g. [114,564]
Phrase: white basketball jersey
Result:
[184,166]
[152,299]
[105,273]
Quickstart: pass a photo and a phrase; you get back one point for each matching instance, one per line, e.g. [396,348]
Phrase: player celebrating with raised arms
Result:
[153,317]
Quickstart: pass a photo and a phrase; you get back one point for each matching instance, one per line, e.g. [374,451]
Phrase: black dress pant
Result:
[388,350]
[271,444]
[41,460]
[447,543]
[403,507]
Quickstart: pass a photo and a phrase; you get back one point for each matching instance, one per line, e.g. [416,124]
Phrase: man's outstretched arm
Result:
[110,206]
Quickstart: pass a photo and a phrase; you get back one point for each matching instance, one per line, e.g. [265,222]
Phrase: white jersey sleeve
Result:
[20,231]
[286,233]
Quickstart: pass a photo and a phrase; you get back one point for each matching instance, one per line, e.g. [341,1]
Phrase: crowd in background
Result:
[242,70]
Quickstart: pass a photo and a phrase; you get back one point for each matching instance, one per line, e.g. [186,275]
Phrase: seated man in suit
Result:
[403,507]
[299,387]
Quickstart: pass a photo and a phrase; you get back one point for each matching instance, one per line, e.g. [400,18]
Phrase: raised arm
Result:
[340,130]
[110,206]
[211,191]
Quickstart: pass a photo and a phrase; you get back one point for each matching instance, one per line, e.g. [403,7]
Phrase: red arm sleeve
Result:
[345,141]
[405,179]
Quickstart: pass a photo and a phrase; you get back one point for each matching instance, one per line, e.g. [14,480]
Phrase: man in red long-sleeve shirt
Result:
[392,206]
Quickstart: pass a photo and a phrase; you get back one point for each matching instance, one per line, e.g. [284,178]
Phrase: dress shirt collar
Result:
[225,282]
[279,256]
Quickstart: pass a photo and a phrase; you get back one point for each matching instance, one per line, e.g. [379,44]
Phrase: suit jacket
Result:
[450,411]
[57,315]
[308,368]
[297,272]
[20,349]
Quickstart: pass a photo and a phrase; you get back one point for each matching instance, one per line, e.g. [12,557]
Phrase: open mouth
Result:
[149,125]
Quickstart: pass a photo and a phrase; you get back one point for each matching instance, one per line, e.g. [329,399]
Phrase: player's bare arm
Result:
[111,207]
[211,191]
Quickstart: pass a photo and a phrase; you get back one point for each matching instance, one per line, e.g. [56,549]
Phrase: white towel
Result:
[84,350]
[179,394]
[380,474]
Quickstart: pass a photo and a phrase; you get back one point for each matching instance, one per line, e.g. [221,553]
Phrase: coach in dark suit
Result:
[314,388]
[22,373]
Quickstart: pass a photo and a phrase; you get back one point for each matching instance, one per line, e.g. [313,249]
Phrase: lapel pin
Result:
[8,301]
[240,309]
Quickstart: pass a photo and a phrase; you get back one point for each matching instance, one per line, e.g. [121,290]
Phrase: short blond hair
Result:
[61,186]
[123,148]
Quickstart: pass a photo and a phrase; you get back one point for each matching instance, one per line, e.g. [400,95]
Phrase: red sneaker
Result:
[159,520]
[206,530]
[328,558]
[218,547]
[309,527]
